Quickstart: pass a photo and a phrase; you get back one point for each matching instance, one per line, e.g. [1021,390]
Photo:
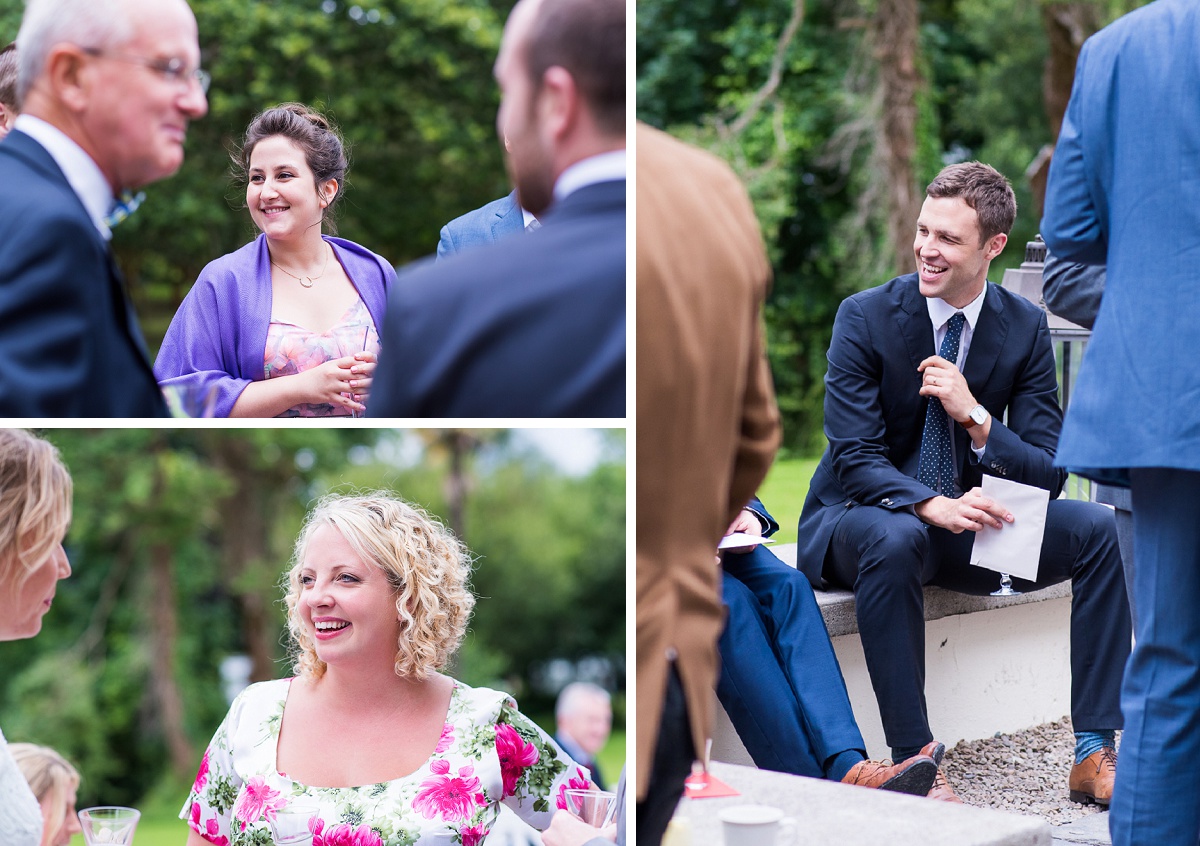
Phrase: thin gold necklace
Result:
[300,279]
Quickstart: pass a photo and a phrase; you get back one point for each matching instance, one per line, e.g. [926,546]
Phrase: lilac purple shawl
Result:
[219,335]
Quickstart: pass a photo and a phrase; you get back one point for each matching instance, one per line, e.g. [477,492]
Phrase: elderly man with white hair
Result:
[107,89]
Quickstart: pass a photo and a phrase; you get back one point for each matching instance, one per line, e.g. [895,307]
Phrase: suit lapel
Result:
[917,327]
[987,341]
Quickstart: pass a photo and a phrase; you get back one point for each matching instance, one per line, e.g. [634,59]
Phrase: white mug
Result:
[756,825]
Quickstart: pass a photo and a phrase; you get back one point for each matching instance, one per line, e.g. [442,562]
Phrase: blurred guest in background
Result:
[485,225]
[535,326]
[583,716]
[106,90]
[35,511]
[8,88]
[53,782]
[288,325]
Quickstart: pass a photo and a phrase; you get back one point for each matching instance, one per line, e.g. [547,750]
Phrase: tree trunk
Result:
[164,625]
[894,35]
[1067,26]
[245,547]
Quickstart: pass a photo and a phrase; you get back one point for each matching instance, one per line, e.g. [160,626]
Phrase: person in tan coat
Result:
[708,428]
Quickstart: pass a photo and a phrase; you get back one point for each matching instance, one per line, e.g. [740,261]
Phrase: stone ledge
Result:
[830,813]
[837,606]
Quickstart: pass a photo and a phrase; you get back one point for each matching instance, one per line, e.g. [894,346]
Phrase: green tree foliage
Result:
[808,156]
[162,521]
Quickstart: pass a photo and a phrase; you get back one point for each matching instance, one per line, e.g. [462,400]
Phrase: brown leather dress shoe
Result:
[935,750]
[913,776]
[1092,778]
[941,790]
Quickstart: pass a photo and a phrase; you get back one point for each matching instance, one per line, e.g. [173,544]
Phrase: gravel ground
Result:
[1025,772]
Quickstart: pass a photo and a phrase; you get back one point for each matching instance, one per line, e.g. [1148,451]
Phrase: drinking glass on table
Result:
[108,825]
[597,808]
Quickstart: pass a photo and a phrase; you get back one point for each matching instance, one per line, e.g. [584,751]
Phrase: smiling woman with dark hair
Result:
[286,326]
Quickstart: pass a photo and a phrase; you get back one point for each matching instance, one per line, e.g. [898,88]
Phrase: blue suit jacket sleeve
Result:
[1074,221]
[1073,290]
[756,507]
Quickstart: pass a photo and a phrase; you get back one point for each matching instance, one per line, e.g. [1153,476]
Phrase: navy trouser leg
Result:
[802,654]
[673,757]
[883,557]
[1154,802]
[1080,544]
[886,557]
[755,693]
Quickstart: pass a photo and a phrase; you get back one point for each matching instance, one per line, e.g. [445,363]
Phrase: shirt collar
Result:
[526,217]
[605,167]
[941,311]
[83,174]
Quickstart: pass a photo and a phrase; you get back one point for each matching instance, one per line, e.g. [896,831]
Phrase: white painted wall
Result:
[986,672]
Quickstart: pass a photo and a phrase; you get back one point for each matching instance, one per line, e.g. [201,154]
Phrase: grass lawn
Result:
[783,493]
[161,826]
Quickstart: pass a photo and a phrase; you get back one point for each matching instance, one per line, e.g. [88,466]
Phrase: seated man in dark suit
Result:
[780,682]
[922,372]
[531,326]
[106,91]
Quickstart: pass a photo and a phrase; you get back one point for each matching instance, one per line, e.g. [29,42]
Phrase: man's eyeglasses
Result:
[173,69]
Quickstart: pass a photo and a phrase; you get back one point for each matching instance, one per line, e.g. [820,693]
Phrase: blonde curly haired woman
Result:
[369,743]
[35,511]
[53,782]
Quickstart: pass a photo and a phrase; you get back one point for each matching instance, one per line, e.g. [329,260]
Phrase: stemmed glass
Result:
[1006,588]
[108,825]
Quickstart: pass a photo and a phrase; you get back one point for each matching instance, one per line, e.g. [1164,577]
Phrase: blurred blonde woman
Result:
[53,782]
[369,743]
[35,511]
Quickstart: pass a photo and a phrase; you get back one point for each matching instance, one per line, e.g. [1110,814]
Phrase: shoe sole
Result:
[915,781]
[939,752]
[1087,799]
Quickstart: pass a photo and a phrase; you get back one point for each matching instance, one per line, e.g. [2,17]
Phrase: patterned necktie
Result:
[937,466]
[123,207]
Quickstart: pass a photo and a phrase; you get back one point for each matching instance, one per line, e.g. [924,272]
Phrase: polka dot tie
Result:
[937,466]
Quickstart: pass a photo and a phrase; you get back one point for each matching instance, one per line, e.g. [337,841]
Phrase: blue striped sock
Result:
[1089,742]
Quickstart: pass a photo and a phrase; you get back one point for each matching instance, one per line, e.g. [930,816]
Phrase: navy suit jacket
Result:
[548,342]
[1122,193]
[482,226]
[70,345]
[875,416]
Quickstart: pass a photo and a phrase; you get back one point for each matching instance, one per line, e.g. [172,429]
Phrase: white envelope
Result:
[1016,547]
[737,539]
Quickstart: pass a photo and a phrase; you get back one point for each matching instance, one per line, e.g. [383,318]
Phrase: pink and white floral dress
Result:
[489,753]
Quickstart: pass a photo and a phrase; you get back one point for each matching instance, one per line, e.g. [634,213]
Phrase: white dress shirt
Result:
[940,313]
[605,167]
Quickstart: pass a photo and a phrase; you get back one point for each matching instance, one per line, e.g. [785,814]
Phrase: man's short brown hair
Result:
[984,189]
[587,38]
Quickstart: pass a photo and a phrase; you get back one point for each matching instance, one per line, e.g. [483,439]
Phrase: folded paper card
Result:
[1016,548]
[736,539]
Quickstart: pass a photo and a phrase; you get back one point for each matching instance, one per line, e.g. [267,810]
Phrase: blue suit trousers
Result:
[1153,802]
[780,682]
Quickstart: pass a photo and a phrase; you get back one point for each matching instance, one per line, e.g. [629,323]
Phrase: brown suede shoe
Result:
[941,790]
[1092,778]
[914,776]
